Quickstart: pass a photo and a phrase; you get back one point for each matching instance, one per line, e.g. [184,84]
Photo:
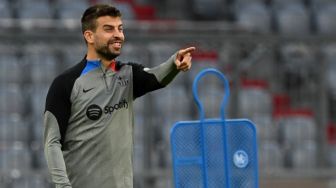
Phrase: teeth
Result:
[116,44]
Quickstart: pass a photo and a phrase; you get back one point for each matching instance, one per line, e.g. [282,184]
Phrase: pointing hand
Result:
[183,59]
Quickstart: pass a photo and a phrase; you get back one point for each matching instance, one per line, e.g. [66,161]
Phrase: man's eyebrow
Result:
[107,25]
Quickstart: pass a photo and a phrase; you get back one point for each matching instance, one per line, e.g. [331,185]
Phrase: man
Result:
[88,120]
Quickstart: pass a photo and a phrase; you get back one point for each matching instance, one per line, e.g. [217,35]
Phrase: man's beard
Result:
[106,53]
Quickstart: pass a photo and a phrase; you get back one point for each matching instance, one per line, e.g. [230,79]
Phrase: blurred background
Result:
[279,55]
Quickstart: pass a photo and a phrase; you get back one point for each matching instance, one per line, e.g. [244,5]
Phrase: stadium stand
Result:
[280,63]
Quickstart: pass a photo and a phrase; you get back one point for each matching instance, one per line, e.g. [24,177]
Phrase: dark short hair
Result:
[91,15]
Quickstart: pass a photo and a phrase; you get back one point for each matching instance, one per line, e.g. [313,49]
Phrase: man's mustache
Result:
[117,39]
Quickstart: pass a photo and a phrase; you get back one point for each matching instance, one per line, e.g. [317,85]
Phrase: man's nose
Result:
[117,34]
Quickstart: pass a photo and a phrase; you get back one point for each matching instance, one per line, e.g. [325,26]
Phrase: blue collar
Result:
[94,62]
[91,65]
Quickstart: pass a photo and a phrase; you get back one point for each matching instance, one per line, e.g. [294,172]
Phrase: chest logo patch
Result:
[94,112]
[87,90]
[109,109]
[122,81]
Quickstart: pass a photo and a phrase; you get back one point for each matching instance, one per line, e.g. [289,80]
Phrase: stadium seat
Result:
[321,3]
[93,2]
[12,129]
[15,156]
[254,99]
[126,10]
[34,9]
[140,125]
[167,108]
[298,66]
[73,54]
[203,59]
[37,93]
[71,9]
[329,56]
[292,19]
[266,128]
[304,156]
[284,3]
[36,125]
[5,10]
[297,55]
[3,184]
[10,67]
[246,2]
[211,93]
[43,69]
[134,53]
[259,63]
[43,72]
[11,98]
[325,18]
[211,90]
[29,180]
[208,9]
[138,160]
[254,17]
[37,107]
[38,158]
[271,156]
[160,51]
[296,126]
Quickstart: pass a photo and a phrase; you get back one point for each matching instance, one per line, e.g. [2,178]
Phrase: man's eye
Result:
[108,29]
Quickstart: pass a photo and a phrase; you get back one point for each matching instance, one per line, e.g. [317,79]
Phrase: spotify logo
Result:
[94,112]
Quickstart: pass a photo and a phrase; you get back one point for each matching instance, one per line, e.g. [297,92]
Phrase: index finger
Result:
[187,50]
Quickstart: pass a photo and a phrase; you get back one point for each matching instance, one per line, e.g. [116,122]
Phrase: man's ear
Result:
[88,35]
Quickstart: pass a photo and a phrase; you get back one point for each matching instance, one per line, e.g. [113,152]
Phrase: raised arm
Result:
[149,79]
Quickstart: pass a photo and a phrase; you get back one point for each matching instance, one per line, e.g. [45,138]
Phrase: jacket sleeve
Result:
[56,117]
[150,79]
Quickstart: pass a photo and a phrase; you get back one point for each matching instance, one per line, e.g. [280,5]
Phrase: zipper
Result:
[104,78]
[112,66]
